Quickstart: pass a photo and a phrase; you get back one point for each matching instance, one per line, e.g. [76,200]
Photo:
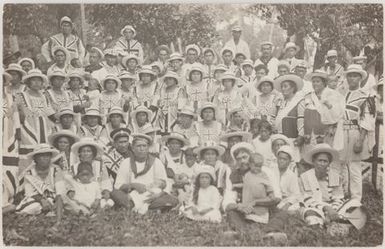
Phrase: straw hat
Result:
[35,73]
[76,74]
[157,64]
[284,63]
[120,132]
[246,136]
[280,136]
[129,57]
[42,148]
[302,64]
[187,110]
[141,108]
[319,73]
[64,111]
[92,112]
[205,50]
[267,43]
[209,145]
[148,128]
[175,56]
[355,68]
[115,110]
[65,19]
[228,76]
[321,148]
[240,53]
[359,58]
[86,141]
[221,67]
[148,70]
[207,105]
[247,62]
[331,53]
[97,50]
[111,52]
[15,67]
[61,48]
[127,75]
[27,59]
[242,145]
[265,79]
[171,74]
[177,136]
[198,68]
[233,110]
[62,133]
[57,73]
[288,150]
[111,77]
[128,27]
[236,28]
[288,77]
[203,168]
[141,135]
[194,47]
[291,45]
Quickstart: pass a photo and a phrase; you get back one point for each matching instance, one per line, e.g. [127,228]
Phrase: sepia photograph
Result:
[192,124]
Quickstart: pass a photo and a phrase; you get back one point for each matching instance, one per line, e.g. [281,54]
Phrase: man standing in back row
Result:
[237,44]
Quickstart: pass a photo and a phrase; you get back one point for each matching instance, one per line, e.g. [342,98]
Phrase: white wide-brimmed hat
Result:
[228,49]
[27,59]
[76,74]
[35,73]
[64,111]
[17,68]
[355,68]
[194,47]
[228,76]
[141,108]
[63,49]
[177,136]
[288,150]
[220,67]
[142,135]
[57,73]
[280,136]
[171,74]
[115,110]
[175,56]
[120,132]
[147,69]
[331,53]
[265,79]
[198,68]
[65,19]
[209,145]
[42,148]
[321,148]
[111,77]
[284,63]
[359,58]
[288,77]
[110,51]
[203,168]
[92,112]
[247,62]
[87,141]
[264,43]
[129,57]
[127,75]
[319,73]
[242,145]
[100,52]
[62,133]
[302,64]
[207,105]
[187,110]
[291,45]
[128,27]
[246,136]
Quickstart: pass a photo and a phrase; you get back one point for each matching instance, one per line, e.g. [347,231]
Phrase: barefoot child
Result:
[85,194]
[206,200]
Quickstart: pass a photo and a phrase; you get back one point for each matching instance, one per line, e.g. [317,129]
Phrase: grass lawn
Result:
[119,228]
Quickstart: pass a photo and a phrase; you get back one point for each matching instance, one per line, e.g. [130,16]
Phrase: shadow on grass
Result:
[119,228]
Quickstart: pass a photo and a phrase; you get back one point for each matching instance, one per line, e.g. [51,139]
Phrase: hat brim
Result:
[117,80]
[282,137]
[288,77]
[205,107]
[308,157]
[183,140]
[141,135]
[41,76]
[361,72]
[54,153]
[297,48]
[320,75]
[21,71]
[76,146]
[60,114]
[171,76]
[260,82]
[246,136]
[126,59]
[133,113]
[243,145]
[63,133]
[219,149]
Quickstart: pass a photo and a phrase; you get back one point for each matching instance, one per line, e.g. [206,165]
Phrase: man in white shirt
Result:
[139,173]
[237,44]
[267,59]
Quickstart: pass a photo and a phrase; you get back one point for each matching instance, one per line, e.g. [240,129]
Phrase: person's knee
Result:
[120,198]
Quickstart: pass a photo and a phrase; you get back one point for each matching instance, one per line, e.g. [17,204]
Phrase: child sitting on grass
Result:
[262,143]
[85,195]
[206,200]
[140,200]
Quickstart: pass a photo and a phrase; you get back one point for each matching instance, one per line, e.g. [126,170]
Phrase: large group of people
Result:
[212,135]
